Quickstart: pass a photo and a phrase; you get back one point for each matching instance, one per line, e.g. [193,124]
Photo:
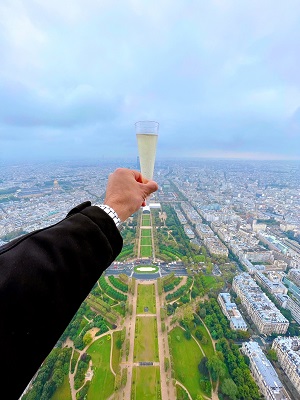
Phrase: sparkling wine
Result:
[147,151]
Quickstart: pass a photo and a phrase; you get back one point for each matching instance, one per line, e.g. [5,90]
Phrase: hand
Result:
[127,191]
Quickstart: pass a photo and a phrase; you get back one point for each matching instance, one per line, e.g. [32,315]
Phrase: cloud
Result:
[220,76]
[83,105]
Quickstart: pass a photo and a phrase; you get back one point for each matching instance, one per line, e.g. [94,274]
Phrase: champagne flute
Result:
[147,134]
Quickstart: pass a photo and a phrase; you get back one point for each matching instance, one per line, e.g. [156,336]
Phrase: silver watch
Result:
[111,212]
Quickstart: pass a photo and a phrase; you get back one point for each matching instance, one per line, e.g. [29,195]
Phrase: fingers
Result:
[151,186]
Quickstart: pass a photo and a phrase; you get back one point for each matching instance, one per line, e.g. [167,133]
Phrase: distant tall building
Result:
[56,185]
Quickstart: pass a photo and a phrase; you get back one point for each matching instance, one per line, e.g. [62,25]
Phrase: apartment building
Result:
[264,314]
[231,312]
[288,353]
[263,372]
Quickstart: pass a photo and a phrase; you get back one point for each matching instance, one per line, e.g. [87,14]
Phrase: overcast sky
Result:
[222,77]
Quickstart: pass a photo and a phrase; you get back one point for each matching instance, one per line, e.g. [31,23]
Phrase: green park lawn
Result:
[146,251]
[146,240]
[209,281]
[64,391]
[146,220]
[102,384]
[141,269]
[186,357]
[208,347]
[146,298]
[146,383]
[116,352]
[145,343]
[119,309]
[146,232]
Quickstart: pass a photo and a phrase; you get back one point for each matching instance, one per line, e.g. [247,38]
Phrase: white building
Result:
[265,315]
[273,285]
[288,353]
[263,372]
[232,313]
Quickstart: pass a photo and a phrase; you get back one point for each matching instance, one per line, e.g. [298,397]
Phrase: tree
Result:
[229,388]
[187,334]
[167,363]
[119,344]
[202,367]
[202,312]
[216,367]
[204,340]
[198,334]
[87,338]
[188,314]
[272,355]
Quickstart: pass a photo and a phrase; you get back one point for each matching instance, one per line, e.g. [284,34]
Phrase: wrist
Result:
[111,213]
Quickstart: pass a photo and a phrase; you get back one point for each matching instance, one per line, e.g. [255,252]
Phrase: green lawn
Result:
[186,357]
[141,269]
[146,221]
[146,383]
[207,348]
[146,298]
[146,251]
[116,352]
[64,391]
[146,240]
[102,384]
[209,281]
[146,232]
[145,343]
[119,309]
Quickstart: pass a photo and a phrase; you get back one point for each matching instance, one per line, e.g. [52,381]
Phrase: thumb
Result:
[150,187]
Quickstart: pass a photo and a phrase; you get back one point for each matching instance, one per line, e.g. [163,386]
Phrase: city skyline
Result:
[221,78]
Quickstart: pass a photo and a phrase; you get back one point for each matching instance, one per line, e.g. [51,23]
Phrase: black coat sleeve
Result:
[44,277]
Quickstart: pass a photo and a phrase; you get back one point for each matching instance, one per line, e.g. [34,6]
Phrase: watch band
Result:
[111,212]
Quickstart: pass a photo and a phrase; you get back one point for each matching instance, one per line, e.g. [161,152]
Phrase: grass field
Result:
[146,240]
[116,352]
[146,298]
[146,383]
[146,220]
[119,309]
[146,232]
[146,251]
[145,343]
[64,391]
[102,384]
[142,269]
[207,348]
[186,357]
[209,281]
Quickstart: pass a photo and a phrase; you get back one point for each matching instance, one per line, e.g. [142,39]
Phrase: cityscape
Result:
[203,302]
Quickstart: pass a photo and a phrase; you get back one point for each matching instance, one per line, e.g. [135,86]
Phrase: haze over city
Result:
[221,77]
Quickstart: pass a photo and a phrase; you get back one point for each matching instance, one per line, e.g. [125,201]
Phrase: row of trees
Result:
[238,370]
[217,323]
[118,284]
[82,368]
[51,375]
[103,309]
[110,291]
[180,291]
[173,284]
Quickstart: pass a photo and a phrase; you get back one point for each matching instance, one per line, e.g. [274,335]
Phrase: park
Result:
[137,339]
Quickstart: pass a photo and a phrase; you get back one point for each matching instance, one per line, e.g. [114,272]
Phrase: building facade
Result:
[263,372]
[288,353]
[264,314]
